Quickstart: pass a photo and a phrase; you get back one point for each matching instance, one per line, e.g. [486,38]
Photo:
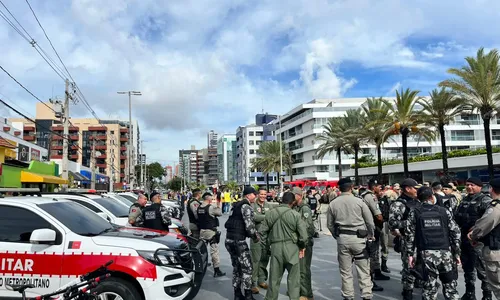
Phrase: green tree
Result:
[333,140]
[353,123]
[175,184]
[155,170]
[406,121]
[439,110]
[375,117]
[232,186]
[478,84]
[268,159]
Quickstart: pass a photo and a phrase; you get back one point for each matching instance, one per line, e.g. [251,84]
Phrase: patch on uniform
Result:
[259,209]
[266,209]
[494,202]
[306,215]
[432,223]
[150,215]
[134,210]
[489,211]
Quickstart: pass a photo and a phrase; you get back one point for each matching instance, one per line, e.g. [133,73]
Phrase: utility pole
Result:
[131,168]
[281,157]
[142,166]
[146,186]
[66,135]
[112,177]
[92,166]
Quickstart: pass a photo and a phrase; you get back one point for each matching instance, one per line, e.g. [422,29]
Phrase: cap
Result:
[345,180]
[424,193]
[249,190]
[495,183]
[436,184]
[409,182]
[373,182]
[447,185]
[475,181]
[312,188]
[297,191]
[152,195]
[206,194]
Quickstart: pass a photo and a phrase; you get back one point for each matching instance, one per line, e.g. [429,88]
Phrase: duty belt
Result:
[348,232]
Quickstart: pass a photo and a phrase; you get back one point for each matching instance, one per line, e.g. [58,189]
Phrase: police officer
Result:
[305,263]
[432,230]
[350,221]
[369,196]
[384,204]
[260,256]
[208,223]
[192,210]
[313,199]
[156,215]
[240,225]
[487,230]
[285,232]
[470,209]
[398,220]
[450,201]
[135,211]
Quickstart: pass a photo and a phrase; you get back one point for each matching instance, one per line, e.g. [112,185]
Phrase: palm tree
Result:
[406,121]
[332,140]
[478,84]
[353,123]
[268,158]
[439,110]
[376,114]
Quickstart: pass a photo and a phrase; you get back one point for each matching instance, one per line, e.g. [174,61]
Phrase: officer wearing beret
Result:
[432,230]
[470,209]
[350,221]
[487,231]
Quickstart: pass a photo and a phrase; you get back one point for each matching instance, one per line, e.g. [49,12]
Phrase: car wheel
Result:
[116,288]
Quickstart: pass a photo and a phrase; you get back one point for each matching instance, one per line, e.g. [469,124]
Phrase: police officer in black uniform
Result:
[313,199]
[156,215]
[470,209]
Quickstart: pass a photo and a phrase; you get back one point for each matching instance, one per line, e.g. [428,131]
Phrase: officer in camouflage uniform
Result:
[156,216]
[487,230]
[192,211]
[450,200]
[470,209]
[305,263]
[285,232]
[240,225]
[432,230]
[398,221]
[260,256]
[135,211]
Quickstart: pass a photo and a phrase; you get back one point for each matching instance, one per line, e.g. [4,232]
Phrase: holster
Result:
[371,248]
[397,243]
[336,230]
[216,238]
[420,270]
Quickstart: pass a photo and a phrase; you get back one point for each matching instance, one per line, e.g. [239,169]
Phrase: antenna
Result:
[262,105]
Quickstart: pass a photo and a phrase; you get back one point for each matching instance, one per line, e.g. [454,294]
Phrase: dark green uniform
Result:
[260,254]
[305,264]
[285,232]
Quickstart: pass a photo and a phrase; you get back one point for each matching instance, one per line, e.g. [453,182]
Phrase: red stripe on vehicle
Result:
[163,233]
[73,264]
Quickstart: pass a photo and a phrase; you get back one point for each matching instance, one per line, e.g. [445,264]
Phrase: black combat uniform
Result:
[156,217]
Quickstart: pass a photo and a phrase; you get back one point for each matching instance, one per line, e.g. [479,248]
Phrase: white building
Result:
[226,147]
[301,126]
[24,151]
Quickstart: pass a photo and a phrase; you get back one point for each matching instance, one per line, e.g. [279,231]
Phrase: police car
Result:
[49,242]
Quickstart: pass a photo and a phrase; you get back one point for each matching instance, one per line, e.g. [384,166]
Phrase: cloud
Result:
[205,65]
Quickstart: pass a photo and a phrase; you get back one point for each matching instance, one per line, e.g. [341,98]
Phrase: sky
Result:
[213,65]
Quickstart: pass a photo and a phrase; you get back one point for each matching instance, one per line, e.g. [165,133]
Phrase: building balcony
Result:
[17,133]
[123,139]
[73,156]
[73,137]
[56,137]
[123,148]
[28,128]
[56,147]
[123,130]
[56,156]
[98,128]
[29,138]
[61,128]
[74,147]
[123,157]
[101,165]
[122,166]
[102,156]
[101,147]
[122,175]
[6,128]
[99,137]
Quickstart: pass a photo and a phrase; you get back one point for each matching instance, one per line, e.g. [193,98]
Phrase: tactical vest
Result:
[313,203]
[152,217]
[192,218]
[205,220]
[432,229]
[235,225]
[492,239]
[409,204]
[385,207]
[468,213]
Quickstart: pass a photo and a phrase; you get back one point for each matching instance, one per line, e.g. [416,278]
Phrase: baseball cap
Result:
[373,182]
[344,180]
[249,190]
[297,191]
[153,194]
[410,182]
[475,181]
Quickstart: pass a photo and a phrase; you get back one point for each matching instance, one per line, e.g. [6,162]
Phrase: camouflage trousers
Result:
[407,279]
[374,256]
[442,265]
[472,260]
[242,263]
[207,235]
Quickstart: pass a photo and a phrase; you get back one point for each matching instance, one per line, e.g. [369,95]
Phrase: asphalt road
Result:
[325,275]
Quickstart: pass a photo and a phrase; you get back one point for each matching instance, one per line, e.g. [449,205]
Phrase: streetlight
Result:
[281,157]
[129,148]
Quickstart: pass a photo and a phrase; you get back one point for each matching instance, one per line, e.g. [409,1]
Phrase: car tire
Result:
[118,286]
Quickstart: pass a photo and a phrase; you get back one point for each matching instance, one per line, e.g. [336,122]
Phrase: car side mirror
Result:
[43,236]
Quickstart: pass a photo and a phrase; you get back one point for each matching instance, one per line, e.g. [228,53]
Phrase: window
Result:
[87,205]
[17,224]
[251,133]
[117,209]
[462,135]
[322,168]
[495,135]
[252,151]
[79,220]
[112,132]
[250,143]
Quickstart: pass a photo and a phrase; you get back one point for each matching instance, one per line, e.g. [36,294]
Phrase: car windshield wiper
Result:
[106,230]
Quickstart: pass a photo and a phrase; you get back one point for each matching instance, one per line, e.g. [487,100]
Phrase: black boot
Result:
[384,267]
[378,275]
[487,295]
[218,273]
[238,295]
[249,295]
[376,288]
[470,292]
[407,294]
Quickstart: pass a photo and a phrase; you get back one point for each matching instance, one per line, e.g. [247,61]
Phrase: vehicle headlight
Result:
[163,257]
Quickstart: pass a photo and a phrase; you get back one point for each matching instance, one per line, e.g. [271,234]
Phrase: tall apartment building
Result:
[109,137]
[193,165]
[212,138]
[301,126]
[168,173]
[248,140]
[226,154]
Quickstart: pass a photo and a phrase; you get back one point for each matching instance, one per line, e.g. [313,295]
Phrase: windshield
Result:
[117,209]
[77,218]
[133,199]
[123,200]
